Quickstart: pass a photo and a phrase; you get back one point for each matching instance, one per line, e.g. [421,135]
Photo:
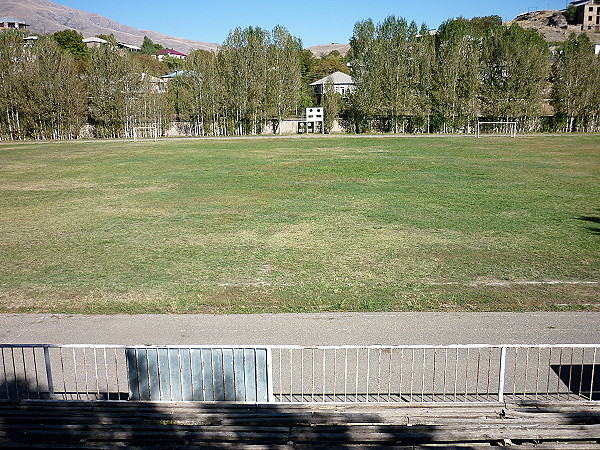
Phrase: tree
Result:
[199,93]
[332,104]
[572,14]
[284,78]
[364,99]
[575,91]
[71,41]
[112,84]
[330,63]
[514,72]
[12,58]
[54,102]
[110,38]
[455,84]
[149,47]
[422,66]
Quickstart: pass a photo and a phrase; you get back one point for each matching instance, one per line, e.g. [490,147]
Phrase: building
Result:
[92,42]
[588,14]
[130,47]
[7,23]
[342,83]
[169,52]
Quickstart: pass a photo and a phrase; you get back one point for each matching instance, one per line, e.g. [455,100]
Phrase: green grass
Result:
[308,224]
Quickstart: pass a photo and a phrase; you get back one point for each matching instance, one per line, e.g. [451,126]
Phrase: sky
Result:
[315,22]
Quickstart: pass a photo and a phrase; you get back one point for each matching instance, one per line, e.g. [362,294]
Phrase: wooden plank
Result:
[432,433]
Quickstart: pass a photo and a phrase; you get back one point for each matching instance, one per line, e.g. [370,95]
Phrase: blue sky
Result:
[315,22]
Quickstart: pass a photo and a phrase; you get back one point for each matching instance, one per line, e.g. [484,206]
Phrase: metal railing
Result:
[412,373]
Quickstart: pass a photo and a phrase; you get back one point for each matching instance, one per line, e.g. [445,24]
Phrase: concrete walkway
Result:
[305,329]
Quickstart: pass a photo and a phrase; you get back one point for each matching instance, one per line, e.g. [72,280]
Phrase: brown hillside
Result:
[322,50]
[551,24]
[45,16]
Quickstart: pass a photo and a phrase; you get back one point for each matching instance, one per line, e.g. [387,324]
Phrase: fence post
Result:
[270,396]
[48,372]
[501,375]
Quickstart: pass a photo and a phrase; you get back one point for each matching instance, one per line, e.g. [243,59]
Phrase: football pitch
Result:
[301,225]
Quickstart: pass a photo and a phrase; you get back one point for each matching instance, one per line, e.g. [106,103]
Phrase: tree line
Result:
[407,80]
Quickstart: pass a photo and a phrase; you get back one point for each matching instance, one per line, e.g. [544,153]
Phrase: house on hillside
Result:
[342,83]
[169,52]
[6,23]
[588,14]
[92,42]
[130,47]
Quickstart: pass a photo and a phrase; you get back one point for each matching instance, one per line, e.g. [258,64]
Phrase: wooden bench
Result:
[98,425]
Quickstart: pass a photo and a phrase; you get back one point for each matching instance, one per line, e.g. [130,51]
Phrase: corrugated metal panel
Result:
[197,374]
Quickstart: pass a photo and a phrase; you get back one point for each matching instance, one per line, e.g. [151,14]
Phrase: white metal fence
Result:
[415,373]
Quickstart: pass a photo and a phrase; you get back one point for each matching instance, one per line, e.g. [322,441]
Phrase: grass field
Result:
[308,224]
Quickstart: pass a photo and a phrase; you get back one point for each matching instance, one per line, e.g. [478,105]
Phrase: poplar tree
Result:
[112,85]
[515,69]
[12,57]
[575,74]
[381,70]
[456,75]
[54,96]
[244,65]
[422,65]
[285,77]
[200,97]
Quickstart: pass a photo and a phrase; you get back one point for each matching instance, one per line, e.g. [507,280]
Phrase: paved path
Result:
[305,329]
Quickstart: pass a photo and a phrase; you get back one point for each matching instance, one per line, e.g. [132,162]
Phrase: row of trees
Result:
[253,82]
[49,93]
[412,80]
[407,80]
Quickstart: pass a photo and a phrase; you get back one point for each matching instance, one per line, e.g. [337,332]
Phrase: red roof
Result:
[170,51]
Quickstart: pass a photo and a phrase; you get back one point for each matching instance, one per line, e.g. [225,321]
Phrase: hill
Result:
[322,50]
[45,16]
[550,23]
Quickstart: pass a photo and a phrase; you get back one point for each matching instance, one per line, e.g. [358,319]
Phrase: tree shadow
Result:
[31,420]
[593,220]
[27,421]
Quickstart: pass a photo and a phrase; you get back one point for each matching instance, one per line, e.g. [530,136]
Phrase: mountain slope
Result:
[551,24]
[45,16]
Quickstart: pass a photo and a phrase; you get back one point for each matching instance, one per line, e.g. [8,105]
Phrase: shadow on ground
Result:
[593,220]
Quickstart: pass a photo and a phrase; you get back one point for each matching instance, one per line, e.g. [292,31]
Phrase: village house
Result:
[588,14]
[343,84]
[93,42]
[7,23]
[169,52]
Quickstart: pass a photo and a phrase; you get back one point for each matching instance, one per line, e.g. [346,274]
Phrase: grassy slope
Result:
[300,225]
